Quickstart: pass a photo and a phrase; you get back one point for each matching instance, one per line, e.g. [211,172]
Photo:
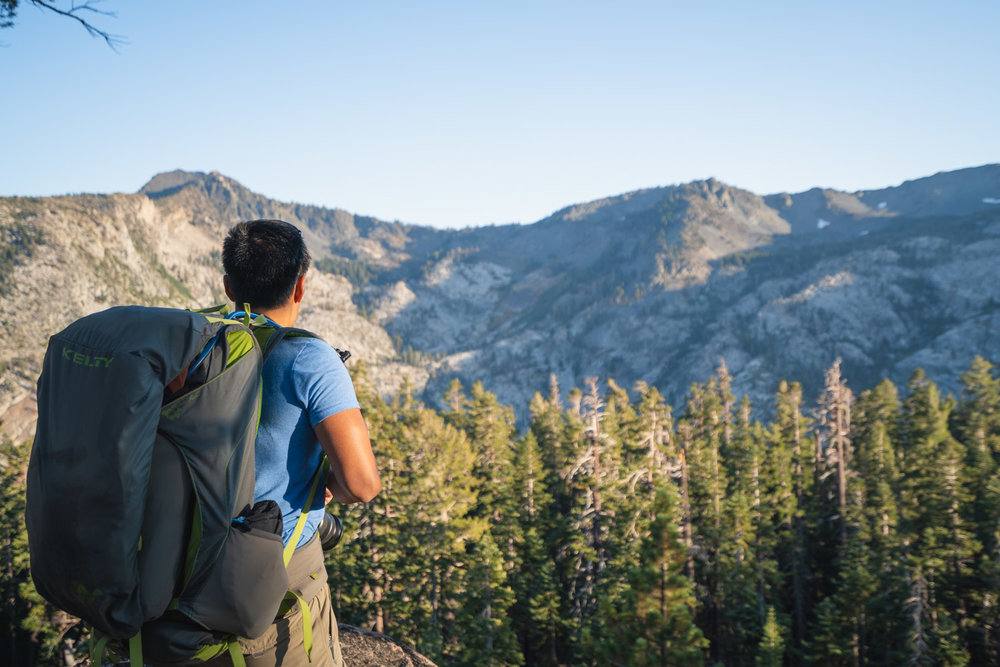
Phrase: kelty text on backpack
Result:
[81,359]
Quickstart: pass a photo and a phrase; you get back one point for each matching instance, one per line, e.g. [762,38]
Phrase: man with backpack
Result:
[308,410]
[193,447]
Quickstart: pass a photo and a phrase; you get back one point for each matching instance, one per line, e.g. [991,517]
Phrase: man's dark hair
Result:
[263,259]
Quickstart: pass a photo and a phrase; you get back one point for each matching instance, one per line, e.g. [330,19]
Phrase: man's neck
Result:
[284,316]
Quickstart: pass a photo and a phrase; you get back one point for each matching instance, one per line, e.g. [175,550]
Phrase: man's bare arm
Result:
[353,474]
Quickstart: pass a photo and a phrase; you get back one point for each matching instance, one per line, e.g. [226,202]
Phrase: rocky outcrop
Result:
[371,649]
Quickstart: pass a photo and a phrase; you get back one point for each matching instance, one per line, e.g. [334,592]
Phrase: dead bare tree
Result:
[833,438]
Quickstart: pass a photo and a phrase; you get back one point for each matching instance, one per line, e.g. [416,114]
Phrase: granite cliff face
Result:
[64,257]
[655,285]
[661,284]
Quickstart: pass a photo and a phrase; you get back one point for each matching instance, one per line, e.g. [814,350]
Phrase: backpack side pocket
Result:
[243,591]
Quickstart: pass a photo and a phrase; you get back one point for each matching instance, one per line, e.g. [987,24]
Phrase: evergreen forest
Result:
[616,530]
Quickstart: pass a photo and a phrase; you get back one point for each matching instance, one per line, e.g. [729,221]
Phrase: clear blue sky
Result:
[465,113]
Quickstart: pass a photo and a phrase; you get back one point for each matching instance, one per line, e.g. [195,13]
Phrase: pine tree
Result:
[977,425]
[977,418]
[771,649]
[559,434]
[490,428]
[940,546]
[649,461]
[535,612]
[487,638]
[788,502]
[592,479]
[834,450]
[702,431]
[362,568]
[653,457]
[457,403]
[875,564]
[433,491]
[37,632]
[547,427]
[652,623]
[14,549]
[745,562]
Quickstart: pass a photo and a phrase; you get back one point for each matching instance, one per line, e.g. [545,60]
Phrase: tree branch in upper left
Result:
[75,11]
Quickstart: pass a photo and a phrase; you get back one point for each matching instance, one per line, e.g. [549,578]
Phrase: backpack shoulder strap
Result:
[267,334]
[300,525]
[269,337]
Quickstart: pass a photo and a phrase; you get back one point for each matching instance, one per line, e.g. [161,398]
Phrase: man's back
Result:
[309,409]
[304,383]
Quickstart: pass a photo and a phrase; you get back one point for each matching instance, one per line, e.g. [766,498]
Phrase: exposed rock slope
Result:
[65,257]
[660,284]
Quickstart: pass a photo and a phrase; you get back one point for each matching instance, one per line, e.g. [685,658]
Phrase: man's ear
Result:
[229,289]
[300,289]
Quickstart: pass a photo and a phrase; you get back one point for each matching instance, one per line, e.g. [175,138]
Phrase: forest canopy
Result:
[617,531]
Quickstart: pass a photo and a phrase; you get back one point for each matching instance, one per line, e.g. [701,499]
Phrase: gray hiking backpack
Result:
[140,489]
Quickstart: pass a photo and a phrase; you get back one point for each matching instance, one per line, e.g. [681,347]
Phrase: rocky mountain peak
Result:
[171,182]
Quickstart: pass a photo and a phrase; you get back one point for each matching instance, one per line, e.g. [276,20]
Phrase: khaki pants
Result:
[282,643]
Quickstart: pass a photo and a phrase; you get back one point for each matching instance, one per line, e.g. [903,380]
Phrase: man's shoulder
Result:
[305,353]
[303,338]
[311,372]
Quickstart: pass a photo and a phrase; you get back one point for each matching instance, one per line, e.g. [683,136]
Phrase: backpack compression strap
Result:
[99,647]
[291,597]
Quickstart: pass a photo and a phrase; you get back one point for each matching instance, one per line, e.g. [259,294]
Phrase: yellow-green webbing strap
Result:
[210,652]
[307,624]
[236,655]
[301,523]
[98,649]
[293,541]
[223,309]
[135,650]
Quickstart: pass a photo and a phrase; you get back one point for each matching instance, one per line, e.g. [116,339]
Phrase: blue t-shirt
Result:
[304,383]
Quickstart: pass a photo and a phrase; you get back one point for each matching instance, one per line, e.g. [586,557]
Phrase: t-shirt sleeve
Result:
[322,381]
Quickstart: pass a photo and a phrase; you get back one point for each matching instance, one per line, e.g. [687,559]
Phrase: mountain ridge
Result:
[655,285]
